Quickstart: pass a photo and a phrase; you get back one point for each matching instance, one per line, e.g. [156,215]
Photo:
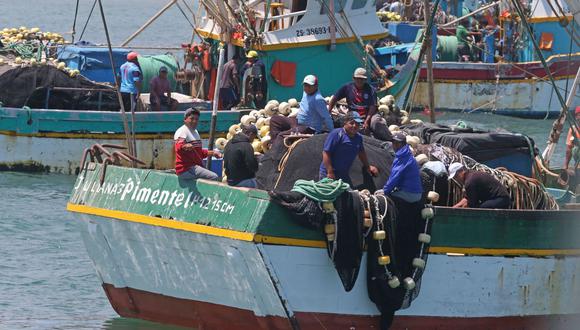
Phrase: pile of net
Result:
[28,84]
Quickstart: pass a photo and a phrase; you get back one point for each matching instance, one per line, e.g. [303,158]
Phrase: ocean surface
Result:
[46,278]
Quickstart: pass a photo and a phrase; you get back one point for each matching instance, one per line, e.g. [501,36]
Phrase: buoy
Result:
[409,283]
[220,143]
[74,73]
[433,196]
[328,207]
[368,222]
[247,120]
[384,260]
[421,159]
[18,60]
[260,122]
[413,141]
[404,120]
[234,129]
[418,263]
[267,123]
[274,102]
[379,234]
[270,109]
[33,61]
[394,282]
[264,130]
[257,145]
[416,121]
[424,238]
[43,61]
[394,128]
[1,61]
[330,237]
[284,108]
[254,113]
[293,112]
[61,65]
[404,113]
[266,143]
[229,136]
[329,228]
[367,214]
[225,179]
[293,102]
[261,113]
[427,213]
[384,109]
[387,100]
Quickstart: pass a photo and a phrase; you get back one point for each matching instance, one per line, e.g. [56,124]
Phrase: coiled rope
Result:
[325,190]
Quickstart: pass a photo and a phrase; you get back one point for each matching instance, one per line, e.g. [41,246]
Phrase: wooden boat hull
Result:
[54,140]
[209,256]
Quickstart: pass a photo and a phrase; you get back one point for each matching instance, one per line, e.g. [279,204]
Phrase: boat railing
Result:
[280,20]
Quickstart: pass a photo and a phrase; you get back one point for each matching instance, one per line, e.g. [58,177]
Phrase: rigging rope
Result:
[325,190]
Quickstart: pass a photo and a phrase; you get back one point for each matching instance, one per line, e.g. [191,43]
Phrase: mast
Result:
[429,59]
[216,97]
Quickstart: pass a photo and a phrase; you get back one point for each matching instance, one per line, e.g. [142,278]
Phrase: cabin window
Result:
[338,6]
[358,4]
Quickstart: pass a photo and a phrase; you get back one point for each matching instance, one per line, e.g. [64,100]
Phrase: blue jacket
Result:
[404,174]
[314,112]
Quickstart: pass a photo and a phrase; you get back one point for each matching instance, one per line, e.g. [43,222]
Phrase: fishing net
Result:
[27,86]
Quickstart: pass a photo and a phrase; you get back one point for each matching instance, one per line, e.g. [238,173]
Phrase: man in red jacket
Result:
[188,151]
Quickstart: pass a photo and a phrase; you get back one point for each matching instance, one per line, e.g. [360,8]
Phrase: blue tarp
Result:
[393,55]
[92,62]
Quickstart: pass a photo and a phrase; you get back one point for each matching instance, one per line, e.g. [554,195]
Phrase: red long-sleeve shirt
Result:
[184,160]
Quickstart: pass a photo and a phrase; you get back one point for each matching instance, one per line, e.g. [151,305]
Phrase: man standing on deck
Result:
[188,151]
[482,190]
[361,98]
[313,112]
[240,164]
[341,147]
[130,77]
[254,80]
[230,84]
[404,181]
[159,87]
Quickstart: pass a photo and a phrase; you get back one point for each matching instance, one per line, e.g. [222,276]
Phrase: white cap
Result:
[360,73]
[454,168]
[310,80]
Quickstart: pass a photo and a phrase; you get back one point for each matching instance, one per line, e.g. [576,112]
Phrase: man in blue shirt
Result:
[131,77]
[341,147]
[313,112]
[361,97]
[404,181]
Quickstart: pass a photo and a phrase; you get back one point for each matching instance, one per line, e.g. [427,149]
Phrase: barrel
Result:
[447,48]
[150,68]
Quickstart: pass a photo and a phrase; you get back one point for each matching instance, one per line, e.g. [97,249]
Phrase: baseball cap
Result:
[252,54]
[454,168]
[353,115]
[360,73]
[163,69]
[132,56]
[577,111]
[400,137]
[310,80]
[189,112]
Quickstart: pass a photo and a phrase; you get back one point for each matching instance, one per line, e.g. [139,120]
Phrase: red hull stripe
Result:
[159,308]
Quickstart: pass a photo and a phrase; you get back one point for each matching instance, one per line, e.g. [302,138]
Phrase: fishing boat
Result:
[203,254]
[517,85]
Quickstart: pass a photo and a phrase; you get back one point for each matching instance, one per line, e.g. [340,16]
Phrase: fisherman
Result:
[573,152]
[188,151]
[361,98]
[341,147]
[161,91]
[131,78]
[230,84]
[240,164]
[463,51]
[482,190]
[313,112]
[404,181]
[254,80]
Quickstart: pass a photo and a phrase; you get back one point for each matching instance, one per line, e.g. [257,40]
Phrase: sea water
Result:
[46,278]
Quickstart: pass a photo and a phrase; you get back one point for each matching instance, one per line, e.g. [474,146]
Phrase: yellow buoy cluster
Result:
[261,119]
[20,62]
[14,35]
[389,16]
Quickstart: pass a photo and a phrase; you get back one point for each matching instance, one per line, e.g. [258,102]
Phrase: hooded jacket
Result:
[404,174]
[239,160]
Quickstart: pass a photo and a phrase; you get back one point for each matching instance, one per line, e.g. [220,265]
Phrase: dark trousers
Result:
[496,203]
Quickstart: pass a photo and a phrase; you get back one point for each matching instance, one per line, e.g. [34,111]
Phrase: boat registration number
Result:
[313,31]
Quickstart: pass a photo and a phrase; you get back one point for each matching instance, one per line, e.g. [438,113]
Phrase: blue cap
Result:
[353,115]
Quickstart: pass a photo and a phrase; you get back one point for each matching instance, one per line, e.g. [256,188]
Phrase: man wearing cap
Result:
[361,97]
[188,151]
[230,84]
[240,164]
[313,112]
[254,80]
[482,190]
[130,80]
[341,147]
[159,86]
[404,181]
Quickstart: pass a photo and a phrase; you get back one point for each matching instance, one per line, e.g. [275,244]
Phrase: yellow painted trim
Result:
[160,222]
[505,252]
[101,136]
[258,238]
[289,45]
